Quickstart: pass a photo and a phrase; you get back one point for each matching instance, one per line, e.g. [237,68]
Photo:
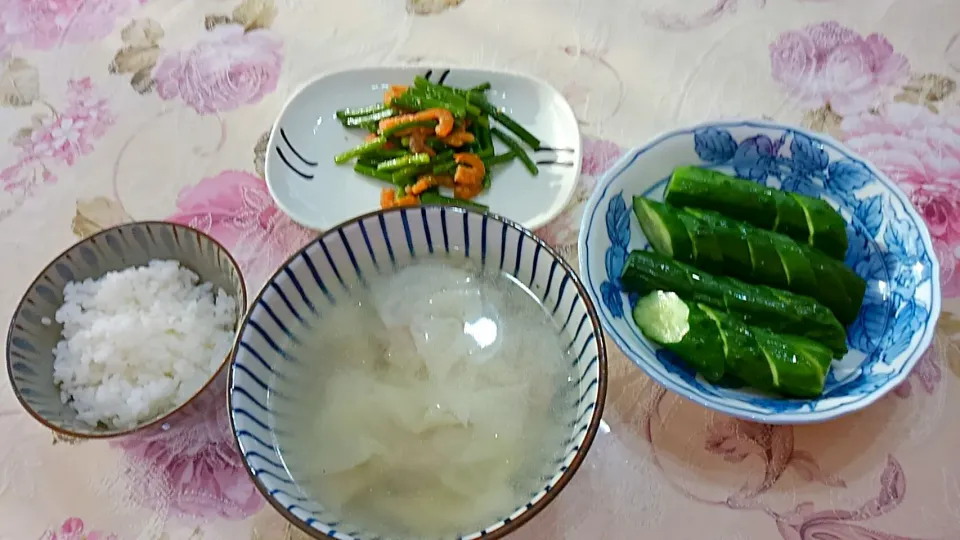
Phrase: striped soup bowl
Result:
[311,282]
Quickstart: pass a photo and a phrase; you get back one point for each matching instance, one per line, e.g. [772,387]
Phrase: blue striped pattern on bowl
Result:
[313,279]
[34,331]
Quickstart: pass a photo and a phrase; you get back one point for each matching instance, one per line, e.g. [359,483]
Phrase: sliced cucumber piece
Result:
[662,316]
[807,220]
[714,343]
[663,229]
[757,305]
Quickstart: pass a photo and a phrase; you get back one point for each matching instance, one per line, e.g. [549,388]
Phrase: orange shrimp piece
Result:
[467,177]
[423,183]
[470,170]
[442,116]
[388,123]
[394,91]
[444,120]
[409,200]
[388,199]
[445,180]
[470,160]
[467,191]
[418,142]
[427,181]
[459,137]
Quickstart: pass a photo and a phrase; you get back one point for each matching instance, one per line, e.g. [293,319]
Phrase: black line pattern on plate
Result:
[298,154]
[546,160]
[283,157]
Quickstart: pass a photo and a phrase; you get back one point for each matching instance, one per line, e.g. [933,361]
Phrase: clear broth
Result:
[430,403]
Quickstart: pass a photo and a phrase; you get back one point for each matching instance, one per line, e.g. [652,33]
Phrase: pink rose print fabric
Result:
[226,69]
[46,24]
[920,151]
[74,529]
[805,522]
[598,156]
[927,372]
[67,135]
[829,64]
[57,139]
[235,208]
[193,468]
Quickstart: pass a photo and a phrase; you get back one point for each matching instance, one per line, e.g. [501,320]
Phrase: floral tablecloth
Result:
[112,110]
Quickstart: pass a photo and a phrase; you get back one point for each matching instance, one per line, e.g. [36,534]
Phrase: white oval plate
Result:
[319,194]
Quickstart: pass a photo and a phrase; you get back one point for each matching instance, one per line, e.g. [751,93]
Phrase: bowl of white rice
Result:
[124,328]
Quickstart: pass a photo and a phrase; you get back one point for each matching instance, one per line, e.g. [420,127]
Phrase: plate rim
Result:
[315,79]
[792,417]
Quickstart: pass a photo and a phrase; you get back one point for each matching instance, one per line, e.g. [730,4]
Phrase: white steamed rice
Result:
[139,342]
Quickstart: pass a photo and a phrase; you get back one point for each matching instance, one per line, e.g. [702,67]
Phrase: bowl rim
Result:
[241,304]
[299,89]
[797,417]
[592,428]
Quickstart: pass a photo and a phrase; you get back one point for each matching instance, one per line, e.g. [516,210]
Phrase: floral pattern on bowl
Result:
[890,247]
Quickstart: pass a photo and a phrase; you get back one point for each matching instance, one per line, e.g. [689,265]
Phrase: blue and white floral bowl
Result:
[312,280]
[889,247]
